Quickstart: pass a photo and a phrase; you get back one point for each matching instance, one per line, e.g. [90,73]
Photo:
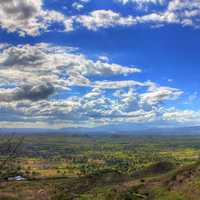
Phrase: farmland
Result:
[86,167]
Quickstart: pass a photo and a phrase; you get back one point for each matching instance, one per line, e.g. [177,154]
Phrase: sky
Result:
[99,63]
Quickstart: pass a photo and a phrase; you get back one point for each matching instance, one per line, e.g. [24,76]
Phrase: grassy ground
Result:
[59,167]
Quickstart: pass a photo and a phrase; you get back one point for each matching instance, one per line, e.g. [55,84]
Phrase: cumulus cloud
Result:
[37,85]
[93,108]
[184,13]
[117,84]
[20,15]
[104,58]
[142,3]
[47,57]
[182,116]
[80,4]
[159,94]
[28,17]
[27,92]
[77,5]
[37,81]
[59,66]
[104,19]
[108,18]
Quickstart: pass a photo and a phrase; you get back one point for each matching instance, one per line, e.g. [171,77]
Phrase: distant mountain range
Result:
[193,130]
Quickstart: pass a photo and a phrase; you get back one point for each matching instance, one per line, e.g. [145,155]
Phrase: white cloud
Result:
[94,108]
[103,58]
[159,94]
[104,19]
[40,64]
[142,3]
[34,79]
[80,4]
[166,17]
[185,13]
[107,18]
[27,17]
[77,6]
[182,116]
[20,15]
[117,84]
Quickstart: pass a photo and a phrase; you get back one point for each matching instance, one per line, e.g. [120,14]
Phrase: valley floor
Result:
[114,167]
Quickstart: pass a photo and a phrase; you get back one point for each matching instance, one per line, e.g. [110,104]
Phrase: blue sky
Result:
[91,63]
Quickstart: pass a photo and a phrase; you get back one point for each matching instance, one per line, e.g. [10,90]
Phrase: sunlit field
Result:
[98,167]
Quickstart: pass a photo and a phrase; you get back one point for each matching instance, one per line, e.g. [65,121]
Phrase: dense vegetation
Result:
[98,167]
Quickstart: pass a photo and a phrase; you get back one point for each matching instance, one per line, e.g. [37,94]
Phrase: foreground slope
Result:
[182,183]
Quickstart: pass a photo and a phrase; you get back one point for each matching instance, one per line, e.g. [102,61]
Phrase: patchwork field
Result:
[93,167]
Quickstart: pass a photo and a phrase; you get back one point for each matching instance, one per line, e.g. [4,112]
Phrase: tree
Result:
[9,149]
